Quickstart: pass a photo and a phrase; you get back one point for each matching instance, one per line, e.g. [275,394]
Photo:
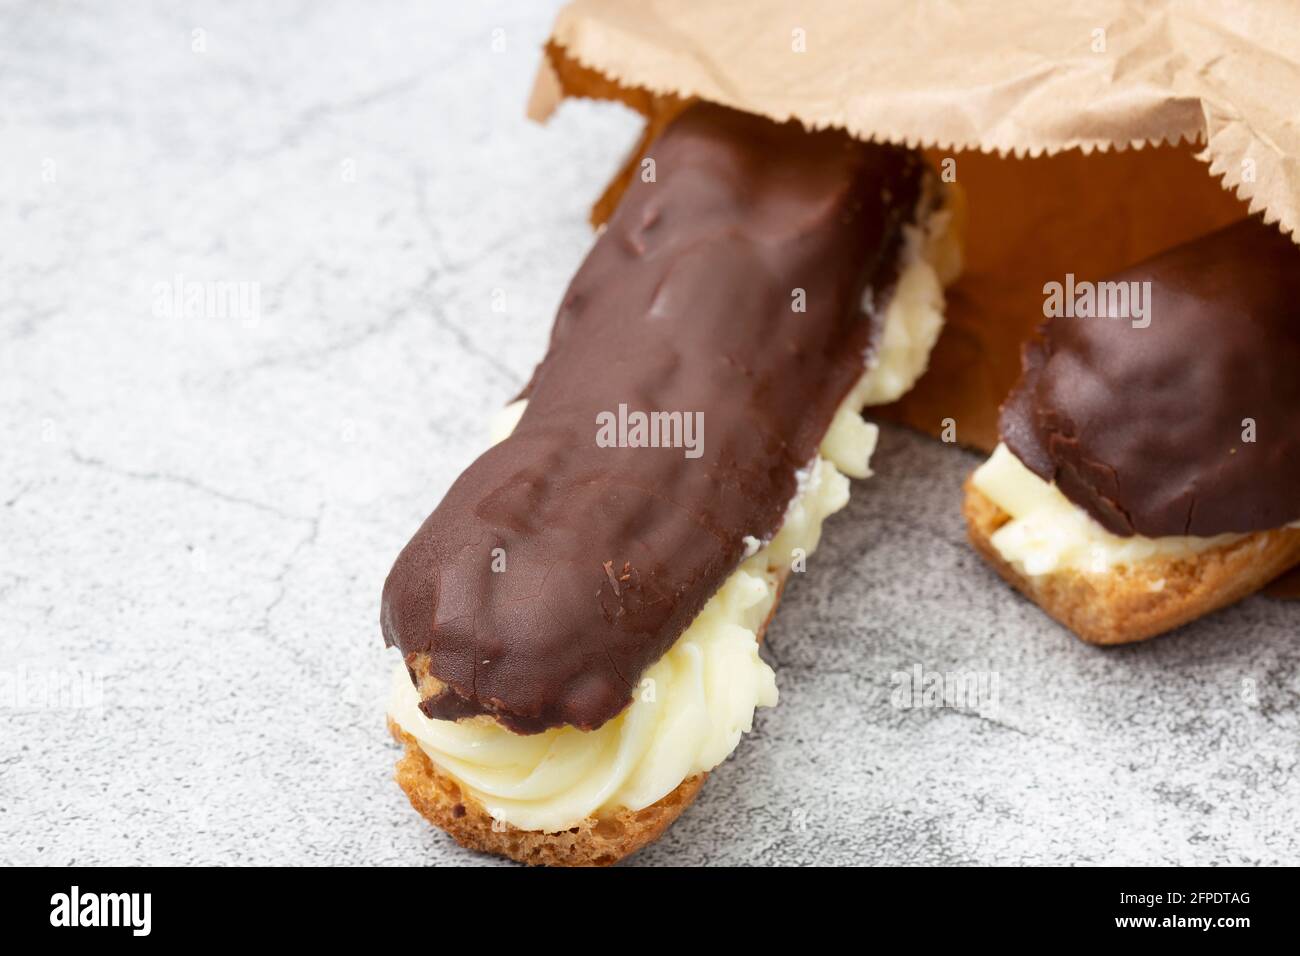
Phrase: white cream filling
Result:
[691,707]
[1049,533]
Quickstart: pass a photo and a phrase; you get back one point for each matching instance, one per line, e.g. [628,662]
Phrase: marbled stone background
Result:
[197,511]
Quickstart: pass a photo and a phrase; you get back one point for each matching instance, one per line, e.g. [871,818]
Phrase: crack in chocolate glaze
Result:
[684,304]
[1143,427]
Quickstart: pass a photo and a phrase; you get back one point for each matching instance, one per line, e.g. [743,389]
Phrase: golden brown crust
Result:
[593,842]
[1134,602]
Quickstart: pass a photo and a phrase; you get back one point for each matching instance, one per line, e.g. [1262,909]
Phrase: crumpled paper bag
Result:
[1084,136]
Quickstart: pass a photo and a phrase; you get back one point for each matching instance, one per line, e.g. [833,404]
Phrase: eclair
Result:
[578,620]
[1149,465]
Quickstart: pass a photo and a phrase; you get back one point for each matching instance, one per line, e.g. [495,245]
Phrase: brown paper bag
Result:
[1084,136]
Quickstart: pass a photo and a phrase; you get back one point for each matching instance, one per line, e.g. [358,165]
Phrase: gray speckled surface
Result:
[196,513]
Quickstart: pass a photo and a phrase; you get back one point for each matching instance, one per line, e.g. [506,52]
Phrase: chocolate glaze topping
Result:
[1143,427]
[684,304]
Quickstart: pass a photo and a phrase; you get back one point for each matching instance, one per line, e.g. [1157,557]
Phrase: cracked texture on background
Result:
[200,511]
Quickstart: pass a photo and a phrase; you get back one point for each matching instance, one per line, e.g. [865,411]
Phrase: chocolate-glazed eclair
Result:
[1149,470]
[578,617]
